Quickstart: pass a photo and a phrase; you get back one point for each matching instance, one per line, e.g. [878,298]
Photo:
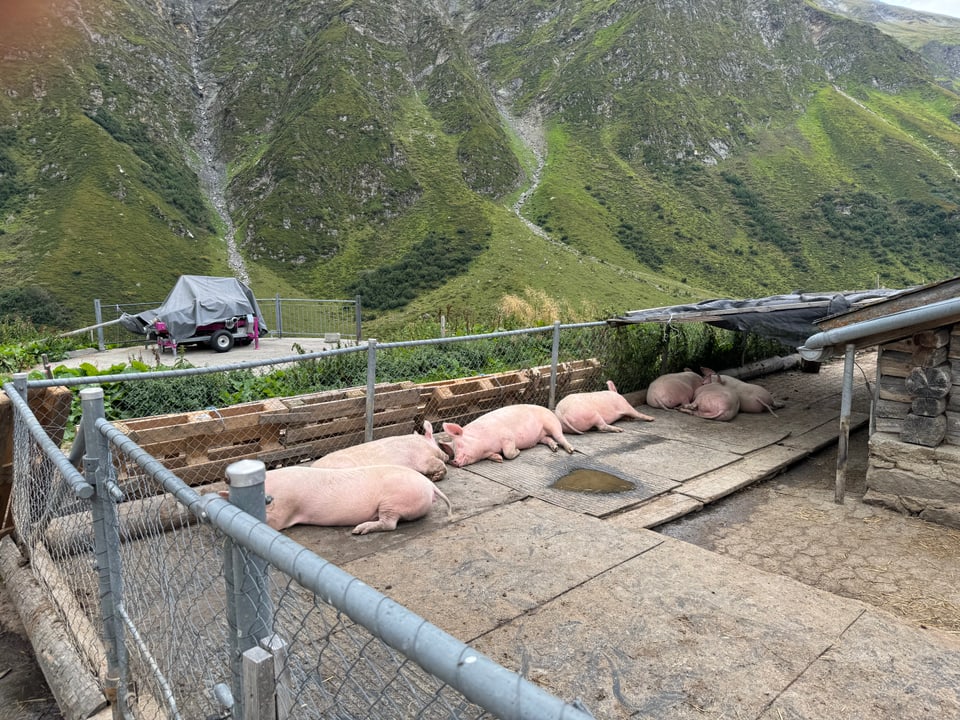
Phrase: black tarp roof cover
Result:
[196,301]
[789,318]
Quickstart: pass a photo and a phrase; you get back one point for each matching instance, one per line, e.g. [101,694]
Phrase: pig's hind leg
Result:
[601,425]
[555,439]
[385,522]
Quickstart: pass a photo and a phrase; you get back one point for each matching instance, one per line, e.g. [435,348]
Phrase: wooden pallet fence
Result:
[198,446]
[465,399]
[314,425]
[577,376]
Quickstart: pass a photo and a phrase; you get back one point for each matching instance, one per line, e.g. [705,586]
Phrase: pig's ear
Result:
[447,449]
[452,429]
[428,430]
[610,386]
[707,372]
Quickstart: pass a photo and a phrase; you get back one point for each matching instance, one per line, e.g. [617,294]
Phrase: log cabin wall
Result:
[915,382]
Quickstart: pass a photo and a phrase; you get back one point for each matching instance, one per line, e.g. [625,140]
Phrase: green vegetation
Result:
[425,266]
[631,355]
[166,175]
[714,149]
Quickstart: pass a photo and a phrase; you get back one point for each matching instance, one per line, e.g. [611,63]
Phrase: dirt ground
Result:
[788,525]
[24,694]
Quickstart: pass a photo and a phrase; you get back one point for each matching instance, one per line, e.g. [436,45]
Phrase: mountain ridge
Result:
[329,149]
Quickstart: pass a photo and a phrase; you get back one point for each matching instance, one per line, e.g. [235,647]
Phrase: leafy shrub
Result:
[426,266]
[33,305]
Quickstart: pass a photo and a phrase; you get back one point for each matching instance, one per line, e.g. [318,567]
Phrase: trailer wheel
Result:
[221,341]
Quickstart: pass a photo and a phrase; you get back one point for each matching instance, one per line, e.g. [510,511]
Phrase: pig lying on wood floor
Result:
[673,390]
[503,433]
[753,398]
[714,400]
[579,412]
[374,498]
[415,451]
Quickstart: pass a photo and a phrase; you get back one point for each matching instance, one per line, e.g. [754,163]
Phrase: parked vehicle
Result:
[216,311]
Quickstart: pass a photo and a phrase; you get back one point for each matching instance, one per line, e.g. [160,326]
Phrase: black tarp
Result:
[790,318]
[196,301]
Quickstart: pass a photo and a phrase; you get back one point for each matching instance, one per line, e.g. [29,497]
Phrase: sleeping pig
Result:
[714,400]
[503,433]
[373,498]
[673,389]
[415,451]
[753,398]
[578,412]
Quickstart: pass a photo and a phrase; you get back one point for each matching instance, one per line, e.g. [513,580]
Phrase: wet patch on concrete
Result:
[537,480]
[592,481]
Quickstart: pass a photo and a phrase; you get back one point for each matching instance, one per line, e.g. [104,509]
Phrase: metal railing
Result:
[185,605]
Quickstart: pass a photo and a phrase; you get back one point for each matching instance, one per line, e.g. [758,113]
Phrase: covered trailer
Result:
[200,309]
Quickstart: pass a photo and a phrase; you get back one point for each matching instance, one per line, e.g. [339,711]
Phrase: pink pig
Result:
[415,451]
[714,400]
[580,412]
[376,497]
[753,398]
[673,389]
[506,430]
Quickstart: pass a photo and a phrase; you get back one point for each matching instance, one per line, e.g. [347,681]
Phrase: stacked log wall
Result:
[915,446]
[915,382]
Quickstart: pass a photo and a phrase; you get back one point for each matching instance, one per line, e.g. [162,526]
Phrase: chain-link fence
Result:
[335,320]
[182,605]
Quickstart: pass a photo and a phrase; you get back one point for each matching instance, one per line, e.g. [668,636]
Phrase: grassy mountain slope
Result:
[692,149]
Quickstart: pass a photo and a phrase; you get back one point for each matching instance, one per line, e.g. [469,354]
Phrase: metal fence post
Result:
[554,360]
[98,319]
[249,607]
[278,314]
[98,469]
[371,385]
[20,383]
[357,313]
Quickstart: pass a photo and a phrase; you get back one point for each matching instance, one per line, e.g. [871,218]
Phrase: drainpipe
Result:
[821,346]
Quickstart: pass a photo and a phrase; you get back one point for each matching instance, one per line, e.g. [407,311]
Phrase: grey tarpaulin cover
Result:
[197,300]
[787,318]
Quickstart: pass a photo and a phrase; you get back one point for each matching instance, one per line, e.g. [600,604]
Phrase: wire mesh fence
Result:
[338,321]
[156,558]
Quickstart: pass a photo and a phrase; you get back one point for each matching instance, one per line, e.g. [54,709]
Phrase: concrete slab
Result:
[878,668]
[653,454]
[539,469]
[745,433]
[658,511]
[695,635]
[483,571]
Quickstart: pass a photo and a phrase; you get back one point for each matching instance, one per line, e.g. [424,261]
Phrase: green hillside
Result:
[655,154]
